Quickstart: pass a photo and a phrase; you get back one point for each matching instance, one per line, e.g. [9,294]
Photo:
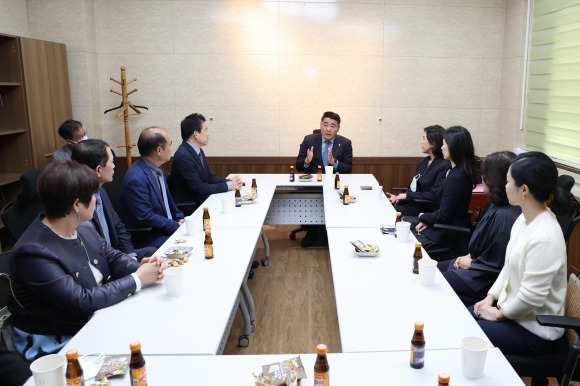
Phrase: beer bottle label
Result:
[291,177]
[346,199]
[337,185]
[206,223]
[320,379]
[76,381]
[238,201]
[254,191]
[139,377]
[208,250]
[417,355]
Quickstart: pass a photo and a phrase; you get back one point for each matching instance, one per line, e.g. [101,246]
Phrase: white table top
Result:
[348,369]
[161,322]
[378,298]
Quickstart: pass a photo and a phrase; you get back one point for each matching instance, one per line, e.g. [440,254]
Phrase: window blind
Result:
[553,99]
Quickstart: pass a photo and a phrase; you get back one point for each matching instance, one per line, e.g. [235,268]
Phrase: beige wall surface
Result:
[263,72]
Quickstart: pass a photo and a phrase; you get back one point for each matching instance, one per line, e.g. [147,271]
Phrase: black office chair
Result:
[20,213]
[6,342]
[561,363]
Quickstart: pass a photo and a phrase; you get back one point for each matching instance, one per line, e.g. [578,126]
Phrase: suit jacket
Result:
[454,197]
[53,282]
[120,237]
[192,181]
[141,205]
[341,150]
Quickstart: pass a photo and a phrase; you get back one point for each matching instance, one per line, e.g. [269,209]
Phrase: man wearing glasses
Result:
[72,132]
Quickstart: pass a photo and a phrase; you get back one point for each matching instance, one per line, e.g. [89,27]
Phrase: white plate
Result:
[351,200]
[367,254]
[178,251]
[247,202]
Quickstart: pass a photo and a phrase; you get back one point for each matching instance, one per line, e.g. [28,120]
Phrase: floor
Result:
[294,299]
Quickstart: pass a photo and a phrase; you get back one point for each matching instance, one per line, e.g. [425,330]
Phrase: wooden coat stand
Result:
[124,110]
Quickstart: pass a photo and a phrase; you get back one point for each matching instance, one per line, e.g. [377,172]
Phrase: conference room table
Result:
[377,298]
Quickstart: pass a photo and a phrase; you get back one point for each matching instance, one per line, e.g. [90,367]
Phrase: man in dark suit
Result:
[191,180]
[145,198]
[326,148]
[97,155]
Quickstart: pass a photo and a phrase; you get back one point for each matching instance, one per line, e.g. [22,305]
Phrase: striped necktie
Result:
[101,218]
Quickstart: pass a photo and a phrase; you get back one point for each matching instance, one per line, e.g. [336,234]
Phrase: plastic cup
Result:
[227,205]
[379,192]
[403,229]
[473,354]
[190,225]
[329,172]
[174,281]
[49,370]
[427,269]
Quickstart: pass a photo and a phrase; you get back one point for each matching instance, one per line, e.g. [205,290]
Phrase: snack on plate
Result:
[180,241]
[113,365]
[178,262]
[359,246]
[178,251]
[305,176]
[249,197]
[287,372]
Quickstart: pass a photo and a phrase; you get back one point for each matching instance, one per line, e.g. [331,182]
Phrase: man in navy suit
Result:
[326,148]
[191,180]
[98,156]
[145,198]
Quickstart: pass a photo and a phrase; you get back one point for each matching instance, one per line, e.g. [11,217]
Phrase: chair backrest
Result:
[6,342]
[4,280]
[572,305]
[19,214]
[113,190]
[315,131]
[569,220]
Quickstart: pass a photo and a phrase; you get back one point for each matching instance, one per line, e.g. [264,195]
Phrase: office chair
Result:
[6,342]
[318,229]
[20,213]
[562,362]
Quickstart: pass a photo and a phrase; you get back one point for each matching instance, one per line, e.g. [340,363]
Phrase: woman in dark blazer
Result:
[62,270]
[489,239]
[428,175]
[455,192]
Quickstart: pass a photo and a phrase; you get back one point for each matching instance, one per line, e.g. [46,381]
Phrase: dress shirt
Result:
[325,147]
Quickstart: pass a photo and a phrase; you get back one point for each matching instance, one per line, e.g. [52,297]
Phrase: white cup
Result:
[473,354]
[329,172]
[379,192]
[403,229]
[174,281]
[190,225]
[427,269]
[49,370]
[227,205]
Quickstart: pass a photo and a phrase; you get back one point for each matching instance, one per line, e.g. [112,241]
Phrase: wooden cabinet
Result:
[34,101]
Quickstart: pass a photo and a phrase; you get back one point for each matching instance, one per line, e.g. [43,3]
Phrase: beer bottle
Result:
[337,181]
[417,255]
[137,365]
[443,379]
[254,187]
[399,217]
[321,366]
[206,219]
[345,196]
[208,245]
[319,175]
[238,197]
[74,372]
[291,173]
[418,347]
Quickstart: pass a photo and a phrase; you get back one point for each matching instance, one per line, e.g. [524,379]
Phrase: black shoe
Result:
[255,264]
[251,275]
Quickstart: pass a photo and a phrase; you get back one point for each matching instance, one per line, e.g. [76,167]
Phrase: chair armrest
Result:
[484,268]
[559,321]
[398,189]
[452,228]
[139,230]
[431,205]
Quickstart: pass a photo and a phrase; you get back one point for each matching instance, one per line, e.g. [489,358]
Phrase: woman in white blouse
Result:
[533,279]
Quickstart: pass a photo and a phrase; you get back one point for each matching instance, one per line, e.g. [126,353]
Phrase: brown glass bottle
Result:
[443,379]
[418,346]
[345,196]
[399,217]
[238,197]
[206,218]
[138,371]
[337,181]
[321,366]
[319,174]
[254,187]
[208,245]
[74,372]
[417,255]
[291,173]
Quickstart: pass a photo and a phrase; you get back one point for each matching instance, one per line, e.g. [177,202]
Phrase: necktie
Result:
[101,218]
[325,145]
[201,157]
[164,192]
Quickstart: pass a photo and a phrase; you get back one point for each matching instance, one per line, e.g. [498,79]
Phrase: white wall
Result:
[264,71]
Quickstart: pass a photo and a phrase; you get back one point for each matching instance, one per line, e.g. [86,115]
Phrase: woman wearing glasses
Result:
[429,173]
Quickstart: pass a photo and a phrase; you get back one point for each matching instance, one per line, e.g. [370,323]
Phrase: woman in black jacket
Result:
[62,270]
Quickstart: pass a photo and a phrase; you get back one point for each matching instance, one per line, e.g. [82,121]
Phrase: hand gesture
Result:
[463,262]
[309,155]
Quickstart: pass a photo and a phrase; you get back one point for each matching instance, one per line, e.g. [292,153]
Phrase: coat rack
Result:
[124,110]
